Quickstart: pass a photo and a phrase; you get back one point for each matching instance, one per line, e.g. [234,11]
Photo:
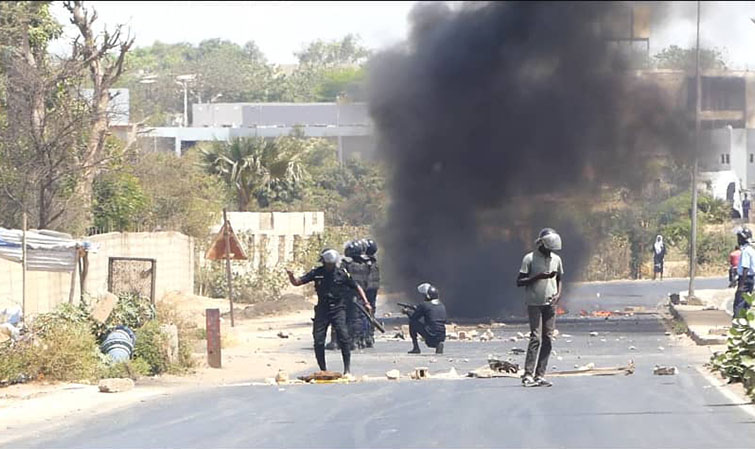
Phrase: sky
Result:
[282,28]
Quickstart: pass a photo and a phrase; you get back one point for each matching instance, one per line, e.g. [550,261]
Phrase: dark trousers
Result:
[739,302]
[372,299]
[542,324]
[417,327]
[354,321]
[331,314]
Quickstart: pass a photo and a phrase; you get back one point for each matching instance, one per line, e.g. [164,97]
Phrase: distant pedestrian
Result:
[745,271]
[659,253]
[541,274]
[746,209]
[733,265]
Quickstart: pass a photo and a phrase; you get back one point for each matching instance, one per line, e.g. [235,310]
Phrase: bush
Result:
[151,346]
[168,313]
[737,363]
[14,362]
[131,369]
[132,311]
[65,351]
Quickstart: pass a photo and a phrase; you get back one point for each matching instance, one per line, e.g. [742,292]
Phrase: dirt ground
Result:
[252,351]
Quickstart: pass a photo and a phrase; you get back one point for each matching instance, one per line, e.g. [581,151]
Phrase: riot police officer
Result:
[373,285]
[428,320]
[356,263]
[334,286]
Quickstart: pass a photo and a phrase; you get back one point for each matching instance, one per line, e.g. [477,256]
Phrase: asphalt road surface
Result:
[640,410]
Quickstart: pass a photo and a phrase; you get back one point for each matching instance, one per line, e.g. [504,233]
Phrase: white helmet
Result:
[550,239]
[330,256]
[422,288]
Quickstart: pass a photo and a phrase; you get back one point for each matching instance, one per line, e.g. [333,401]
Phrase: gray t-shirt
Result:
[540,293]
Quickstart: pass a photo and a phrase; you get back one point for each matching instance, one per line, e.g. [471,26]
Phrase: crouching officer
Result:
[334,287]
[428,320]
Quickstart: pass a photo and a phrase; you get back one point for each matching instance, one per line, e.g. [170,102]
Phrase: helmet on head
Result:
[422,288]
[744,234]
[362,243]
[372,247]
[550,239]
[350,249]
[432,293]
[329,256]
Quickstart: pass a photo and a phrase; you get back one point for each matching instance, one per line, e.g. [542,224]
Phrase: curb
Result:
[699,333]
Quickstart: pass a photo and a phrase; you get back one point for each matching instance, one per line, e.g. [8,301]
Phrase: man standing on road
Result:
[746,209]
[334,287]
[734,266]
[428,320]
[745,270]
[540,275]
[659,253]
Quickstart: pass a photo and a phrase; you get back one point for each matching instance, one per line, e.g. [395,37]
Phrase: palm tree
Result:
[248,164]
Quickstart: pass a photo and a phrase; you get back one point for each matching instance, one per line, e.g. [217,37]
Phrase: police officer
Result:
[356,263]
[334,286]
[428,320]
[745,270]
[373,285]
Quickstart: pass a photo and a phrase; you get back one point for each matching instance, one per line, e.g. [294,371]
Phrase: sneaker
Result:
[528,381]
[541,382]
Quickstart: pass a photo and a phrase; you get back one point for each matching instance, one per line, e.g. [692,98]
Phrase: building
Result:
[348,126]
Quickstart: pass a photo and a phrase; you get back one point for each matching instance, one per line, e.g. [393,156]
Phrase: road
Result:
[641,410]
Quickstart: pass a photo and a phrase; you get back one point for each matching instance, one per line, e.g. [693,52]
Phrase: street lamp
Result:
[183,81]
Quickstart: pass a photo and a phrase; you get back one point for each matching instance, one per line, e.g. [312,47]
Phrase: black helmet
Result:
[362,244]
[744,234]
[351,249]
[372,247]
[432,293]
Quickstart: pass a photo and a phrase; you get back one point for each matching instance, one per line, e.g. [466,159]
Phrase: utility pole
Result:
[693,227]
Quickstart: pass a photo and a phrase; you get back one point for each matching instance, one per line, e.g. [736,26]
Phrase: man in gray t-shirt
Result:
[540,275]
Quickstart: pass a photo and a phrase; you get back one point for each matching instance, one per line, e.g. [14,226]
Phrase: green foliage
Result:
[151,347]
[250,287]
[677,58]
[65,351]
[168,313]
[737,363]
[182,196]
[131,369]
[132,311]
[119,201]
[255,167]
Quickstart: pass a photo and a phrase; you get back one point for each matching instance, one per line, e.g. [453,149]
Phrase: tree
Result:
[677,58]
[103,56]
[42,131]
[253,166]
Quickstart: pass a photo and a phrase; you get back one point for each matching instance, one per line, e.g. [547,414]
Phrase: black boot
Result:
[320,356]
[346,355]
[415,348]
[439,348]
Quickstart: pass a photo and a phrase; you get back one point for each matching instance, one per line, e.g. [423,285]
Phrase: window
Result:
[752,159]
[724,158]
[727,158]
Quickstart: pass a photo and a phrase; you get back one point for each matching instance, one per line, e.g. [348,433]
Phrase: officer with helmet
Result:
[356,263]
[373,285]
[428,319]
[334,286]
[745,270]
[540,275]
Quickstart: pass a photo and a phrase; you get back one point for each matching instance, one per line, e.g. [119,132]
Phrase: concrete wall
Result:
[248,115]
[173,251]
[270,238]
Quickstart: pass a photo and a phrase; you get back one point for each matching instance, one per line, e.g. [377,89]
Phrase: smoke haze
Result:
[486,118]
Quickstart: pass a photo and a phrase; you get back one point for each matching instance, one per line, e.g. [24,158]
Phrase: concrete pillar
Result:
[178,146]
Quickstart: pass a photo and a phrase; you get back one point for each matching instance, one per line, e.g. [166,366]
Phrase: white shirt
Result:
[747,260]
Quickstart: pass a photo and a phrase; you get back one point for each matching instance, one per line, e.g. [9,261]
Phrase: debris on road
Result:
[514,339]
[450,375]
[632,348]
[665,370]
[115,385]
[520,335]
[420,373]
[590,370]
[502,366]
[594,334]
[281,377]
[517,351]
[321,376]
[282,334]
[393,374]
[487,336]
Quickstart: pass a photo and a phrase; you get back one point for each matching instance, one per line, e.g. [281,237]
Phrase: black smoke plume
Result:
[487,118]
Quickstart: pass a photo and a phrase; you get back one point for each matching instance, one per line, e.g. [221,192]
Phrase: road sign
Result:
[217,249]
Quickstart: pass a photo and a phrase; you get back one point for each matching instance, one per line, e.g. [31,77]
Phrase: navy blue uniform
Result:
[429,321]
[373,285]
[334,289]
[359,271]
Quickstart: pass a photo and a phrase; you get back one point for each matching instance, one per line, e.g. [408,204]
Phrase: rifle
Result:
[406,306]
[369,316]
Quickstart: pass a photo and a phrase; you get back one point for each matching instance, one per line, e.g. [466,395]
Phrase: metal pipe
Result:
[693,227]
